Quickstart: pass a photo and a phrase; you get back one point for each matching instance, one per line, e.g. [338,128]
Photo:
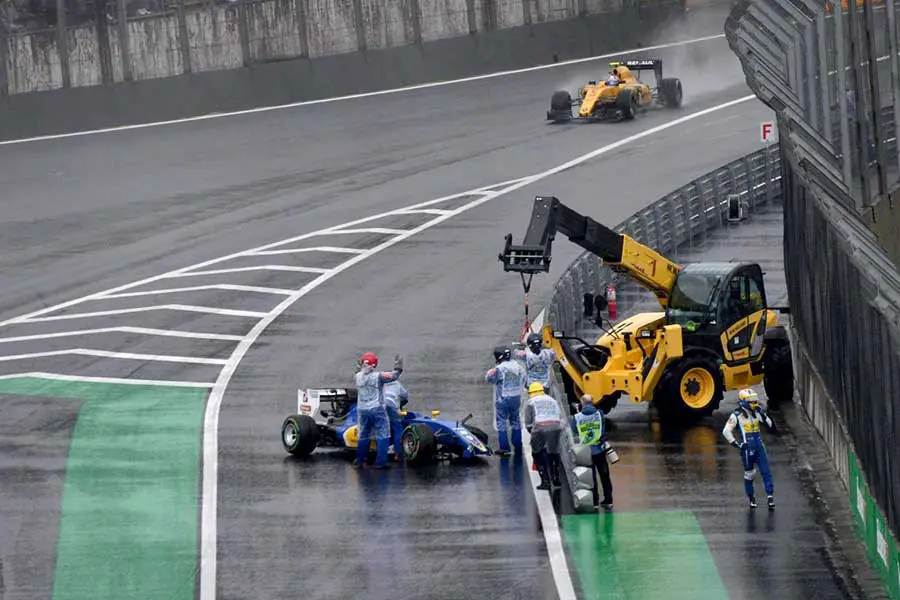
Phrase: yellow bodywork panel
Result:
[735,378]
[648,267]
[623,371]
[600,93]
[351,438]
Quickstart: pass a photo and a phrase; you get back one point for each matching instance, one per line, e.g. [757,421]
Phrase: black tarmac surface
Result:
[86,214]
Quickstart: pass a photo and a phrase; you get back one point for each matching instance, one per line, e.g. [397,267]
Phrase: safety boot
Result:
[554,470]
[542,471]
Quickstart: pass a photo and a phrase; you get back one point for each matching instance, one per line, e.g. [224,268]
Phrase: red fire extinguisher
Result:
[611,301]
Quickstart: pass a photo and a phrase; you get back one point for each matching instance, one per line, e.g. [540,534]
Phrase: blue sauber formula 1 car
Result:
[327,417]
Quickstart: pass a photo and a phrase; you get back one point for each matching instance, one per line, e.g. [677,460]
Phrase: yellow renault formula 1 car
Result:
[622,95]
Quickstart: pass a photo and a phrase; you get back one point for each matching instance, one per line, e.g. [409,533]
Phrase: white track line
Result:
[209,507]
[195,335]
[29,317]
[198,288]
[315,249]
[383,230]
[424,211]
[118,380]
[123,311]
[409,88]
[108,354]
[247,269]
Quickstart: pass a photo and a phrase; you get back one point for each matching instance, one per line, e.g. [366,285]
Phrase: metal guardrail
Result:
[681,218]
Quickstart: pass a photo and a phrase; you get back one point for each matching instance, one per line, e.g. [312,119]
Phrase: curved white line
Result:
[211,420]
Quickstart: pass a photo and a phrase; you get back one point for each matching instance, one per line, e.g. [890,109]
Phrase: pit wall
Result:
[218,58]
[839,174]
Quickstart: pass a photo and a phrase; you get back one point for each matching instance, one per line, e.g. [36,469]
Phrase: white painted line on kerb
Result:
[333,249]
[118,380]
[410,88]
[195,335]
[249,269]
[124,311]
[383,230]
[211,419]
[122,355]
[199,288]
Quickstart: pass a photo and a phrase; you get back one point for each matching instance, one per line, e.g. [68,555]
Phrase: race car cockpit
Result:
[340,402]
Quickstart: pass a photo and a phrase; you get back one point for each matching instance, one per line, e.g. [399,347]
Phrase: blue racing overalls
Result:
[508,378]
[373,417]
[753,450]
[395,397]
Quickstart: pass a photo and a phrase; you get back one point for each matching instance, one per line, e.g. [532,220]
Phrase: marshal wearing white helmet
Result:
[747,417]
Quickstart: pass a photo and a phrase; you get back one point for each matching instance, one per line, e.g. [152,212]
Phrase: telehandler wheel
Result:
[690,389]
[778,372]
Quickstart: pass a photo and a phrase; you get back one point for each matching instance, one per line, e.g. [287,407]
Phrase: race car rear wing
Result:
[647,64]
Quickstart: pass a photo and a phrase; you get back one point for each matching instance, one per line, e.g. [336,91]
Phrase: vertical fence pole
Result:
[184,40]
[415,16]
[840,63]
[301,16]
[877,122]
[824,87]
[124,41]
[4,53]
[62,43]
[101,21]
[895,75]
[527,17]
[473,18]
[244,32]
[858,129]
[360,19]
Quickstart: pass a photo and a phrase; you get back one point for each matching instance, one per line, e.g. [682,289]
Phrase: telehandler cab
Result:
[715,332]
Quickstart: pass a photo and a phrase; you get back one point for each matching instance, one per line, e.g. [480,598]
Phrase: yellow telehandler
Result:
[714,332]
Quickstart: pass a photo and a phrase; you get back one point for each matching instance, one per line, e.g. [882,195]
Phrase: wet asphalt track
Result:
[759,554]
[85,214]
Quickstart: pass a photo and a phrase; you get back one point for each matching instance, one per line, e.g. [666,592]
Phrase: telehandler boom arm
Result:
[618,251]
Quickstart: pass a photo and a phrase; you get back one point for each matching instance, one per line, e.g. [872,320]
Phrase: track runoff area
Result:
[99,542]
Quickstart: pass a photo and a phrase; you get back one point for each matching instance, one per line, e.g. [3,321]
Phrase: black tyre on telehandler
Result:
[690,389]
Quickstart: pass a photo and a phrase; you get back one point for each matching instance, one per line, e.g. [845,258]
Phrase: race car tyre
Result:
[778,372]
[672,92]
[299,435]
[627,104]
[417,444]
[480,434]
[561,101]
[690,389]
[560,107]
